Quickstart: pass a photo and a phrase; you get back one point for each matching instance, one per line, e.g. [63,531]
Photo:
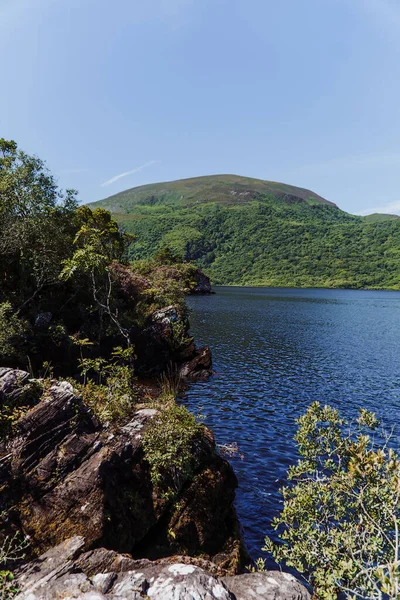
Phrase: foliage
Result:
[59,278]
[16,405]
[340,520]
[246,232]
[168,446]
[168,282]
[98,242]
[170,384]
[12,549]
[36,225]
[114,400]
[13,330]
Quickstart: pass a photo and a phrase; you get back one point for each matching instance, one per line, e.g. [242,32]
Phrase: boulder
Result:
[63,572]
[16,385]
[202,285]
[199,367]
[271,585]
[165,341]
[67,475]
[165,316]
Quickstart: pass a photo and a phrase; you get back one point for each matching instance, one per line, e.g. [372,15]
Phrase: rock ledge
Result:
[63,573]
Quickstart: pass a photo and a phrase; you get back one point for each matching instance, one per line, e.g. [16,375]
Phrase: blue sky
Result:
[122,93]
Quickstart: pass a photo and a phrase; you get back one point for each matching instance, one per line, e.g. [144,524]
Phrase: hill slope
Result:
[223,189]
[251,232]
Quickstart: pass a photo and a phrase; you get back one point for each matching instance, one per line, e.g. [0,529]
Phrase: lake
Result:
[274,352]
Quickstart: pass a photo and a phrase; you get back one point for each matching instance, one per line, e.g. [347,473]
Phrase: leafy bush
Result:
[168,445]
[16,405]
[115,400]
[12,549]
[13,330]
[340,522]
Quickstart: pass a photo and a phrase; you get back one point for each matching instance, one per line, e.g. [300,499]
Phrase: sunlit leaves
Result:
[339,523]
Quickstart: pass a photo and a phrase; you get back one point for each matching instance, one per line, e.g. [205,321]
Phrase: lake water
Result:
[274,352]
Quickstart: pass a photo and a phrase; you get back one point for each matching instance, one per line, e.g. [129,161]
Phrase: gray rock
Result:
[103,582]
[35,577]
[61,573]
[186,582]
[12,382]
[54,575]
[268,585]
[165,315]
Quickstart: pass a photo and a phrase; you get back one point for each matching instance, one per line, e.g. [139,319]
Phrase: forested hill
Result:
[251,232]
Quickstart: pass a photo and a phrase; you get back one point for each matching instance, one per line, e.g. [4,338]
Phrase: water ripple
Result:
[277,350]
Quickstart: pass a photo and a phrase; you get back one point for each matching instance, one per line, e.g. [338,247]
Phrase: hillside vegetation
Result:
[244,231]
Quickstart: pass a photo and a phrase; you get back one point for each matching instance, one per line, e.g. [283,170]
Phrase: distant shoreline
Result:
[313,287]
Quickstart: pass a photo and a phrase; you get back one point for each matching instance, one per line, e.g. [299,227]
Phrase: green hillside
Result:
[244,231]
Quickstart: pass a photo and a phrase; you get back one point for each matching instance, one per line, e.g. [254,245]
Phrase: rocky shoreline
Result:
[83,494]
[64,474]
[81,490]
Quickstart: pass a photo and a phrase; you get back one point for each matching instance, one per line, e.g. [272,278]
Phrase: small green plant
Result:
[114,400]
[340,521]
[258,566]
[12,332]
[179,335]
[170,383]
[13,408]
[168,446]
[12,549]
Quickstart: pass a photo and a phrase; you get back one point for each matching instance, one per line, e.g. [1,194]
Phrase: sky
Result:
[118,94]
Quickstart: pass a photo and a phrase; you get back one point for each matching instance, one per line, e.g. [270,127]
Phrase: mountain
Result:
[245,231]
[223,189]
[379,217]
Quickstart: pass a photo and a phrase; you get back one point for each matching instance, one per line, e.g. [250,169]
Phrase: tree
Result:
[340,522]
[37,224]
[97,244]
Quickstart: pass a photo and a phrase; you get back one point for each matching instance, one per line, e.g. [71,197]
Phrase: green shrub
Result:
[12,549]
[114,400]
[170,384]
[168,446]
[13,409]
[12,332]
[340,521]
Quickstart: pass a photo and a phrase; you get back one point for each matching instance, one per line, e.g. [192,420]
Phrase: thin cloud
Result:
[392,208]
[121,175]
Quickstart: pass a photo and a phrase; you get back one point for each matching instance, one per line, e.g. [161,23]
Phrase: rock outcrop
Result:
[202,285]
[66,571]
[271,585]
[199,367]
[16,385]
[64,474]
[165,341]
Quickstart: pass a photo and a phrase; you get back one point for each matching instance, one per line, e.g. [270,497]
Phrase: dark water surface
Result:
[277,350]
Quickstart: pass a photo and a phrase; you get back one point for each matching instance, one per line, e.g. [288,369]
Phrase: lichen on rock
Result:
[64,572]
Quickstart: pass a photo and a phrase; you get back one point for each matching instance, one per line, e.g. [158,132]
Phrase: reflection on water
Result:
[277,350]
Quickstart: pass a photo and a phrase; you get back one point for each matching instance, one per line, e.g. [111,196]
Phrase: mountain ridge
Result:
[244,231]
[213,188]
